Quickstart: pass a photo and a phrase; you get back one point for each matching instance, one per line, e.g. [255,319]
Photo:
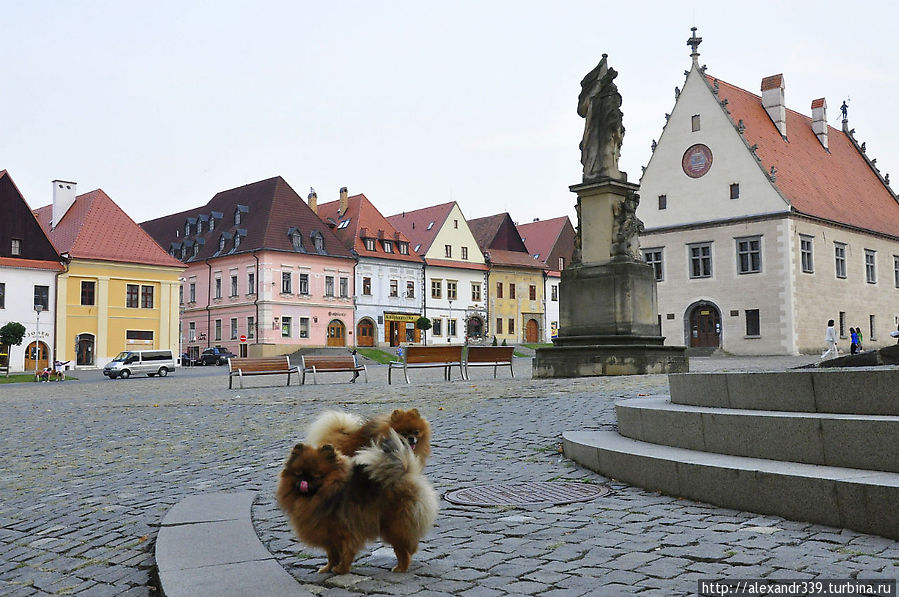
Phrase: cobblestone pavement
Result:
[90,468]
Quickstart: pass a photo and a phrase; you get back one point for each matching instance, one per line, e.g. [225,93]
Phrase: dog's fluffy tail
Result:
[331,422]
[388,461]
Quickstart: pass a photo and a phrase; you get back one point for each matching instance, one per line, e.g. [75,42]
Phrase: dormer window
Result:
[343,224]
[369,244]
[186,229]
[237,217]
[200,227]
[431,225]
[196,250]
[403,248]
[388,246]
[236,241]
[238,214]
[318,241]
[183,252]
[211,223]
[222,243]
[296,238]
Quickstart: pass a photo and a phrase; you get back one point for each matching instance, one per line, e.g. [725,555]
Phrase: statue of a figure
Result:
[627,227]
[600,104]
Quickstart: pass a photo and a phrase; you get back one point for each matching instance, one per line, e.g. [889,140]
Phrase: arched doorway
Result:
[84,349]
[704,326]
[37,354]
[531,331]
[365,333]
[336,333]
[474,327]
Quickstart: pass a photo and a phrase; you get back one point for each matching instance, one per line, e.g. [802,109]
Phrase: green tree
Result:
[424,324]
[10,335]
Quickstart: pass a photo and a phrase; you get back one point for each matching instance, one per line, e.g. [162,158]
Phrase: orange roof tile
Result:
[363,216]
[514,259]
[96,228]
[416,225]
[540,237]
[837,185]
[31,263]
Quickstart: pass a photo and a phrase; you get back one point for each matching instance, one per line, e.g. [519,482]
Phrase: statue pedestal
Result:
[608,310]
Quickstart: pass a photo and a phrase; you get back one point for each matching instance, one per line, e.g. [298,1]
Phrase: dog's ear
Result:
[396,415]
[295,453]
[414,412]
[329,452]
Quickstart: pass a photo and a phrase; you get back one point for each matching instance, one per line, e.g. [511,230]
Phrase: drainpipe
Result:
[256,300]
[208,304]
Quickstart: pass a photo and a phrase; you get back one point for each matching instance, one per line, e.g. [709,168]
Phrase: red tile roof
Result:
[838,185]
[31,263]
[513,259]
[415,224]
[540,237]
[95,227]
[365,218]
[485,229]
[772,82]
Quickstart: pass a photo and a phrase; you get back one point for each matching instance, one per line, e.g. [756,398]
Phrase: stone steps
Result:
[841,497]
[854,441]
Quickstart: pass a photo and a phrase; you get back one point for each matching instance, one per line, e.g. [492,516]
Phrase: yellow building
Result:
[120,288]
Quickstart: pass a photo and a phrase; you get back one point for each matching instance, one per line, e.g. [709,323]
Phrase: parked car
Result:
[150,362]
[215,356]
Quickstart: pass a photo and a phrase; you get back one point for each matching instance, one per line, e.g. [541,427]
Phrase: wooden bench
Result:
[330,364]
[259,366]
[415,357]
[489,356]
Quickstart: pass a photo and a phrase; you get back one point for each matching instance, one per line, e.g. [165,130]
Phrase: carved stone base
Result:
[588,360]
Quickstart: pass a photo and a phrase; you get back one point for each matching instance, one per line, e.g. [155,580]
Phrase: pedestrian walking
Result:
[355,364]
[858,332]
[830,339]
[853,341]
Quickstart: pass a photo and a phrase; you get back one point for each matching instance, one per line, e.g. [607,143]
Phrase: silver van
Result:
[133,362]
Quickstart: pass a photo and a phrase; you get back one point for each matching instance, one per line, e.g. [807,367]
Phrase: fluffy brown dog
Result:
[340,503]
[349,433]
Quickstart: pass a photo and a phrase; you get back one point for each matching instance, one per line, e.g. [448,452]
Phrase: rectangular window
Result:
[448,250]
[663,201]
[532,292]
[218,329]
[2,295]
[436,289]
[451,290]
[554,292]
[752,322]
[234,285]
[134,335]
[475,292]
[511,292]
[871,328]
[251,327]
[369,244]
[304,327]
[464,252]
[15,247]
[842,324]
[896,270]
[695,122]
[511,326]
[499,325]
[561,263]
[192,331]
[218,288]
[436,329]
[304,283]
[181,294]
[388,246]
[234,328]
[450,327]
[366,286]
[285,327]
[654,258]
[132,292]
[870,266]
[735,191]
[88,293]
[403,247]
[839,256]
[42,297]
[344,287]
[410,289]
[701,260]
[193,292]
[499,290]
[749,255]
[394,288]
[286,283]
[329,285]
[807,257]
[146,297]
[251,282]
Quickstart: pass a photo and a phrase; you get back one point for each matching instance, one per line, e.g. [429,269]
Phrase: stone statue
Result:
[626,229]
[600,105]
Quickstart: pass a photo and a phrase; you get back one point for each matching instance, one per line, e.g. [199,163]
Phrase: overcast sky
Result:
[162,104]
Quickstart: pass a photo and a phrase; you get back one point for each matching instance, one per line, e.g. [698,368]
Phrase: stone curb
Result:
[207,546]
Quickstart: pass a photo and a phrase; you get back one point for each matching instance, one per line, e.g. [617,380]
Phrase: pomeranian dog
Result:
[340,503]
[349,433]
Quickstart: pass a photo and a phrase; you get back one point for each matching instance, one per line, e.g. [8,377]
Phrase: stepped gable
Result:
[417,225]
[95,227]
[837,185]
[18,221]
[365,220]
[269,210]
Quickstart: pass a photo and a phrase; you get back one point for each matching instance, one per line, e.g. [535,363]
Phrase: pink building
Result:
[264,274]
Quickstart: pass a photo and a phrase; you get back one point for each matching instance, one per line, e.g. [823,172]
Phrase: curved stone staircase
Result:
[814,445]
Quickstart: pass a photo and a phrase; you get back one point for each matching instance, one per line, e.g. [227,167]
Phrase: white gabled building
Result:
[763,223]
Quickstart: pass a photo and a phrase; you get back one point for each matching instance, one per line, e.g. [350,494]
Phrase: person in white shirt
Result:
[830,339]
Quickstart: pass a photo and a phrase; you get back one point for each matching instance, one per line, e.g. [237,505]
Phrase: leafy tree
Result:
[424,324]
[504,342]
[10,335]
[494,341]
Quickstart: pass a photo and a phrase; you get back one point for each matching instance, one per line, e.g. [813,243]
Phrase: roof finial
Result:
[694,42]
[845,111]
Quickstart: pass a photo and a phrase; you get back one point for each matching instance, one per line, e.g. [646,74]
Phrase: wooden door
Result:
[705,326]
[393,333]
[531,331]
[37,353]
[365,334]
[336,333]
[85,350]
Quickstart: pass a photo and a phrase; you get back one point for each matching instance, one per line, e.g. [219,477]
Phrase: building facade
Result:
[551,242]
[763,223]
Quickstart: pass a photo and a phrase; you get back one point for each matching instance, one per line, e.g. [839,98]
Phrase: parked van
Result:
[133,362]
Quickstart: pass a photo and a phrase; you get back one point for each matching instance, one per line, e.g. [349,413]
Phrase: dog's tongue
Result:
[304,486]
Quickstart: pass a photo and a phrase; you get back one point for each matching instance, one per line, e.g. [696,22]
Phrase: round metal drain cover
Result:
[526,494]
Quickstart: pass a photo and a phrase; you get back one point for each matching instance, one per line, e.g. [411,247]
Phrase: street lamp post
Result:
[37,337]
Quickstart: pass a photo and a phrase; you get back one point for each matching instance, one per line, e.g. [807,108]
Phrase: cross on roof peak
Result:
[694,42]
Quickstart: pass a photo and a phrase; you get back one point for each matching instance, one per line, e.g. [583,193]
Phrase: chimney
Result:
[819,120]
[773,102]
[312,199]
[343,201]
[63,198]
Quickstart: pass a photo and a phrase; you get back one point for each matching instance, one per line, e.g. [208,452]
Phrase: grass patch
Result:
[519,355]
[376,355]
[24,377]
[538,345]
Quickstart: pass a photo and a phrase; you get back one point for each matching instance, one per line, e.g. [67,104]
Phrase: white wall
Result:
[19,307]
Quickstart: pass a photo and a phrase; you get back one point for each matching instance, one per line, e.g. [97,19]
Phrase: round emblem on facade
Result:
[697,160]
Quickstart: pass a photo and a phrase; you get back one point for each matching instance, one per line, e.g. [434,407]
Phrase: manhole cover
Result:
[526,494]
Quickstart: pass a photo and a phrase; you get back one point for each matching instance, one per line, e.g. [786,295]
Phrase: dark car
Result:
[215,356]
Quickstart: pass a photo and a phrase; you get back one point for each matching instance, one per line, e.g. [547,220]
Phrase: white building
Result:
[763,223]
